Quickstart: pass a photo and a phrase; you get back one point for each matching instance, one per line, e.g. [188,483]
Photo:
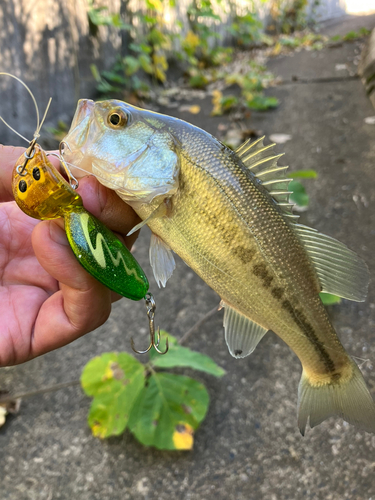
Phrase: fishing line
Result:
[38,123]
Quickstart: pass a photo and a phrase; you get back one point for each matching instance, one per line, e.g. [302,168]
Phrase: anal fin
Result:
[242,335]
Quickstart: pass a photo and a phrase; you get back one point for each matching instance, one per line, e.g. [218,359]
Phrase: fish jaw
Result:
[137,159]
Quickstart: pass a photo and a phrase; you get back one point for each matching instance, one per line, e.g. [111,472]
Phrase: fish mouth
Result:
[85,108]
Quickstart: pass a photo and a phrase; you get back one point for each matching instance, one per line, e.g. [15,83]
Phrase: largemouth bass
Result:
[227,215]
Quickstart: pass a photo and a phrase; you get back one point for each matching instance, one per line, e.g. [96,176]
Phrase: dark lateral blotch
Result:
[244,254]
[277,292]
[260,270]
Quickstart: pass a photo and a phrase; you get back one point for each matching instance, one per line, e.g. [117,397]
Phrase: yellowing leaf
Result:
[183,437]
[108,373]
[155,4]
[160,66]
[194,109]
[216,102]
[191,40]
[160,60]
[114,380]
[98,431]
[277,49]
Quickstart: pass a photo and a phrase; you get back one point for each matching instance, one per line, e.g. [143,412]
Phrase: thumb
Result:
[104,204]
[80,305]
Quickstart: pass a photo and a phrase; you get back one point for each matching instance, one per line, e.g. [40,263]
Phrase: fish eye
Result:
[22,186]
[117,119]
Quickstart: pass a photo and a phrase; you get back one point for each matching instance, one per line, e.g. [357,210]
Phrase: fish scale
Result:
[213,207]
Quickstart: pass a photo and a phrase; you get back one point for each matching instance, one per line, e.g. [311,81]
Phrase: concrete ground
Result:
[248,447]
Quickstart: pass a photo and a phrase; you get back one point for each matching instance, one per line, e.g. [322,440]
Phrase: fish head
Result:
[128,149]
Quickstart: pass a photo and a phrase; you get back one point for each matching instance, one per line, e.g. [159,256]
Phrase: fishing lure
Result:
[42,193]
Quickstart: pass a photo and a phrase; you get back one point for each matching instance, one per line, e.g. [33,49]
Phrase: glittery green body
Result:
[104,256]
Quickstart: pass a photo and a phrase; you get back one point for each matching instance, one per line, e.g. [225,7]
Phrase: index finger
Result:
[8,157]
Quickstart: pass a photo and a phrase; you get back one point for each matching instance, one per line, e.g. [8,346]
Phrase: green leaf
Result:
[148,20]
[353,35]
[183,356]
[114,380]
[145,62]
[299,195]
[364,31]
[198,81]
[168,410]
[228,102]
[114,77]
[303,174]
[132,65]
[156,37]
[95,72]
[262,102]
[328,299]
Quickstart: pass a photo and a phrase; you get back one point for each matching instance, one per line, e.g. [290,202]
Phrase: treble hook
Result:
[151,307]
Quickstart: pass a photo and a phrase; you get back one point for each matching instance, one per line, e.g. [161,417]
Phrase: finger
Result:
[82,303]
[8,157]
[109,208]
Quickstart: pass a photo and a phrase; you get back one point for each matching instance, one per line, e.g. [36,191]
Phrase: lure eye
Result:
[22,186]
[36,174]
[117,119]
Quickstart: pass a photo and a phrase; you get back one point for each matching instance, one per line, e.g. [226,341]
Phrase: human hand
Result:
[47,299]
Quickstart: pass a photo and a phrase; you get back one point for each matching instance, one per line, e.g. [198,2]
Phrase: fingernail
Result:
[57,234]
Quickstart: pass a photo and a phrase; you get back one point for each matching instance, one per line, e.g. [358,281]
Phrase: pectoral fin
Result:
[161,211]
[161,260]
[241,334]
[340,270]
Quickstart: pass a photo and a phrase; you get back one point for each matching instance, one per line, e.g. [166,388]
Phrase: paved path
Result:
[249,447]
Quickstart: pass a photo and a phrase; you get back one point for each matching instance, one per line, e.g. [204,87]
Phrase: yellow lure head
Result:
[40,190]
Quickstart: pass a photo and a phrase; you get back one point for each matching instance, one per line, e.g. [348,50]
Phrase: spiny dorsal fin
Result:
[263,164]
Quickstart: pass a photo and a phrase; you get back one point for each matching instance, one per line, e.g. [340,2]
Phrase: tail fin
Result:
[348,399]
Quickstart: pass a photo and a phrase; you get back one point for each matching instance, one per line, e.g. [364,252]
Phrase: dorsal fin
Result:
[340,270]
[263,164]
